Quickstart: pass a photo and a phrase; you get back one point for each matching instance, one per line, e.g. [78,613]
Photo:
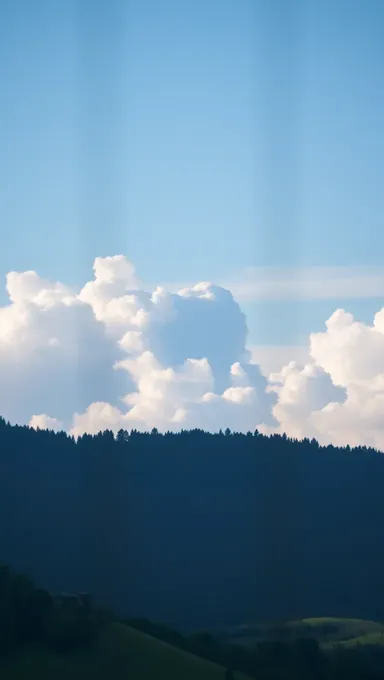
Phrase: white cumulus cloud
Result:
[113,355]
[337,397]
[44,422]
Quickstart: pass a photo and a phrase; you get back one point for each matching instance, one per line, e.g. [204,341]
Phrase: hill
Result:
[240,527]
[121,652]
[330,632]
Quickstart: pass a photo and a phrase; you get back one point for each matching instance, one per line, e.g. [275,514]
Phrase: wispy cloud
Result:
[307,283]
[258,284]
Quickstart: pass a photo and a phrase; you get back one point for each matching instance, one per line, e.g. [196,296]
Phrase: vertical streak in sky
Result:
[279,46]
[101,37]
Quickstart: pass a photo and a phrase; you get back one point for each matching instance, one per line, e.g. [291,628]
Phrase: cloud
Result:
[55,356]
[261,284]
[302,391]
[44,422]
[113,355]
[307,283]
[339,396]
[351,352]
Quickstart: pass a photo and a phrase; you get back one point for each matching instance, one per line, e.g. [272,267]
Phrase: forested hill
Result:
[196,529]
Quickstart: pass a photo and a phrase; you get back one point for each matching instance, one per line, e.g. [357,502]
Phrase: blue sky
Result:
[197,138]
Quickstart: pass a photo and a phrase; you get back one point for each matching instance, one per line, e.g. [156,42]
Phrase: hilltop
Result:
[329,632]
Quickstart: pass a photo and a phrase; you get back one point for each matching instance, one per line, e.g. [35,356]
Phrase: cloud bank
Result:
[114,355]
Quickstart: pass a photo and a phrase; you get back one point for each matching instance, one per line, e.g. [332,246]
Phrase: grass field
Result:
[122,653]
[328,631]
[347,632]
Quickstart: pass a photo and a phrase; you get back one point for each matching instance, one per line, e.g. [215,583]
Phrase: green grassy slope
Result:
[122,653]
[337,631]
[328,631]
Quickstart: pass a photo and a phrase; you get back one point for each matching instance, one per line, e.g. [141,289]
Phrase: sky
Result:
[233,141]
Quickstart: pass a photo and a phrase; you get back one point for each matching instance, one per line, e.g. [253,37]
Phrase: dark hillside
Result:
[194,529]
